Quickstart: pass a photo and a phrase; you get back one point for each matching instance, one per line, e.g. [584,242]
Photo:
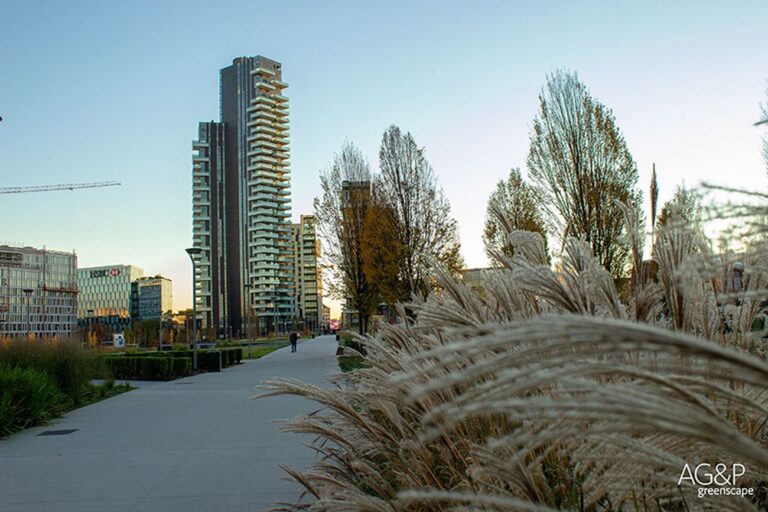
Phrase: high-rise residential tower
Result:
[209,226]
[245,269]
[308,281]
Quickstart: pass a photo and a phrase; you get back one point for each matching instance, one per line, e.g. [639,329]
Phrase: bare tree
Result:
[583,169]
[426,229]
[341,213]
[514,205]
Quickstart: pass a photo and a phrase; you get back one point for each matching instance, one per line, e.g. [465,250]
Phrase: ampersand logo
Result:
[720,482]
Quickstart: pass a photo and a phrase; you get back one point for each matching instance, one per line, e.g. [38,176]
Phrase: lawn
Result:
[262,349]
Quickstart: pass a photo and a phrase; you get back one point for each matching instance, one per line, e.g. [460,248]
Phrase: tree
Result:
[654,196]
[514,205]
[581,165]
[383,252]
[341,213]
[654,193]
[683,208]
[764,109]
[425,229]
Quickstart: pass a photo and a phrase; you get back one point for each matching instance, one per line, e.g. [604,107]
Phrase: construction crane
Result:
[64,186]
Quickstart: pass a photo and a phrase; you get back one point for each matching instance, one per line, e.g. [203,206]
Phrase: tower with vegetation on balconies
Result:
[256,293]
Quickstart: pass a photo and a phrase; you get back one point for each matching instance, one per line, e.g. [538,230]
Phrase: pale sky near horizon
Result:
[113,90]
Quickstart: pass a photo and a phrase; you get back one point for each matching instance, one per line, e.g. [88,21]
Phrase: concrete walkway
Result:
[195,444]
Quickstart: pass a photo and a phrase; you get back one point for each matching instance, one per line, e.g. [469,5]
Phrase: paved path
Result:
[195,444]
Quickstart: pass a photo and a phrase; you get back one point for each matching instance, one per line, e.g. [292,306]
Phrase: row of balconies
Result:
[262,71]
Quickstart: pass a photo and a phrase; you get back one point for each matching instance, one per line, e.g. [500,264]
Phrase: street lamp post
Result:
[28,293]
[248,287]
[90,326]
[160,332]
[194,251]
[274,318]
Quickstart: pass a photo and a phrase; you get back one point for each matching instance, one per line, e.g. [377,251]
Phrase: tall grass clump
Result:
[69,365]
[550,390]
[27,397]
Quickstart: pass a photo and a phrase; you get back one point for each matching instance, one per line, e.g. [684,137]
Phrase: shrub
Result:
[123,366]
[155,368]
[209,360]
[351,363]
[135,367]
[27,397]
[354,344]
[182,366]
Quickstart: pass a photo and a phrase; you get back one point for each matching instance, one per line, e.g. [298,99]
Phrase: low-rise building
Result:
[38,292]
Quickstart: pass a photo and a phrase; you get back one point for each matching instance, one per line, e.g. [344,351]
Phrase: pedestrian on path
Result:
[294,340]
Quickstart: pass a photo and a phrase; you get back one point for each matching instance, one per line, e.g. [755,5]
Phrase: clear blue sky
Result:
[110,90]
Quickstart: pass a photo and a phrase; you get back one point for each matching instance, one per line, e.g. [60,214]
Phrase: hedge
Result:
[148,368]
[182,366]
[148,365]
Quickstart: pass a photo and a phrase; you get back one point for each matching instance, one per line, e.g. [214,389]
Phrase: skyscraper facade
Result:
[245,269]
[209,226]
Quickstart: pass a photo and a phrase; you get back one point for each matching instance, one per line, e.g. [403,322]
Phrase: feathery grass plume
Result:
[549,391]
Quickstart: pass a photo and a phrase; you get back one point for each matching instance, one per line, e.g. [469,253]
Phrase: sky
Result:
[114,90]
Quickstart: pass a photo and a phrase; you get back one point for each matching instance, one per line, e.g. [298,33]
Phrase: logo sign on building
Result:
[118,340]
[107,272]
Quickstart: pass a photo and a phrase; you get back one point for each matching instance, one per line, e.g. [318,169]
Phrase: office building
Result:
[155,297]
[308,282]
[241,203]
[38,292]
[108,296]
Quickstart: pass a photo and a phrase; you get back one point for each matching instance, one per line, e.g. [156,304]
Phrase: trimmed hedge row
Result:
[170,364]
[208,359]
[148,368]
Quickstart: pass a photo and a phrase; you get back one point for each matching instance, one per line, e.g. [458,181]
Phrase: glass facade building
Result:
[38,292]
[108,295]
[155,297]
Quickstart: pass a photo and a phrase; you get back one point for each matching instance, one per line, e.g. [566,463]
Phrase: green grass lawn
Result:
[262,349]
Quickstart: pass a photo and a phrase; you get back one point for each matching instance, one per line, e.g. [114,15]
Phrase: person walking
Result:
[294,341]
